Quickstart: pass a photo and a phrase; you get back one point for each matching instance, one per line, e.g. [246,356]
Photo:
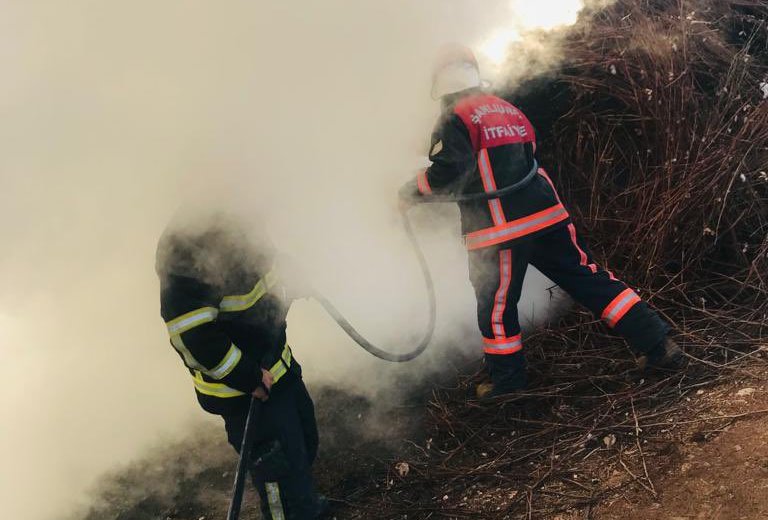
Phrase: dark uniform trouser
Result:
[284,480]
[497,275]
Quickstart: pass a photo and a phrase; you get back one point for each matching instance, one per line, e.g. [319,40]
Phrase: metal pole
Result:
[243,463]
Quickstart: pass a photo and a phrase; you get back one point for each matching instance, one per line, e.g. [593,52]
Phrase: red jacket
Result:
[483,143]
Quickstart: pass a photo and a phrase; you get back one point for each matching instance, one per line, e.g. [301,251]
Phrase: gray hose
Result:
[399,358]
[486,195]
[367,345]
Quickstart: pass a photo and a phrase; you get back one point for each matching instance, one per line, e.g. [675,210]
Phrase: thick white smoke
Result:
[112,114]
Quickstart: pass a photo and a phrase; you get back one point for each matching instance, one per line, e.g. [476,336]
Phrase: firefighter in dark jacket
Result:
[483,144]
[225,311]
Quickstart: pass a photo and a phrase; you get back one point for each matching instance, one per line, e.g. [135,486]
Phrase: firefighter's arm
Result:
[205,347]
[452,157]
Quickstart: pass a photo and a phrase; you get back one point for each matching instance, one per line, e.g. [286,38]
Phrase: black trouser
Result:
[284,450]
[497,275]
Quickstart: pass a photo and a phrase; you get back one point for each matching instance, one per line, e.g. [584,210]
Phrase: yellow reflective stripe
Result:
[227,364]
[242,302]
[214,389]
[273,499]
[189,359]
[191,320]
[279,369]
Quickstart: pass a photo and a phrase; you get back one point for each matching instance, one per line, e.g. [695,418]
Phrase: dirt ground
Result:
[720,474]
[717,470]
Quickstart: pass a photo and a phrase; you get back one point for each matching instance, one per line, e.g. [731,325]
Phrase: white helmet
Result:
[455,70]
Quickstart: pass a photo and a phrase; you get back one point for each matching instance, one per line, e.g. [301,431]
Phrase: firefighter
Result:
[225,311]
[482,143]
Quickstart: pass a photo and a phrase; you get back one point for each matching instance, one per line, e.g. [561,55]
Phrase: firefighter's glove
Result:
[262,391]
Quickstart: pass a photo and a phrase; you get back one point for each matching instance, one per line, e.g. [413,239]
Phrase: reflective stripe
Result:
[500,301]
[231,359]
[489,184]
[280,368]
[503,345]
[274,502]
[189,359]
[191,320]
[423,183]
[516,228]
[543,173]
[214,389]
[185,322]
[582,255]
[242,302]
[619,306]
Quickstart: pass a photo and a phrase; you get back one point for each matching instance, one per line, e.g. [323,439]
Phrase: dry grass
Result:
[656,130]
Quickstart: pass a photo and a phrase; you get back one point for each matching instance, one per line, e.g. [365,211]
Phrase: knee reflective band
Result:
[503,345]
[274,502]
[619,306]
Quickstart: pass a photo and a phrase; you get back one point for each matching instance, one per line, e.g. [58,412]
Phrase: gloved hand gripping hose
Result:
[367,345]
[399,358]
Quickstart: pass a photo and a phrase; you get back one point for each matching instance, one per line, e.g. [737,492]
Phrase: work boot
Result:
[507,374]
[487,390]
[484,391]
[667,355]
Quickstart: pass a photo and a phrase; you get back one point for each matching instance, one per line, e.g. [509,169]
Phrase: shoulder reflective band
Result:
[619,306]
[274,502]
[242,302]
[191,320]
[214,389]
[231,359]
[279,369]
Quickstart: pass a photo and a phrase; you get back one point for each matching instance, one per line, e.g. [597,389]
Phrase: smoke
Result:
[114,114]
[529,42]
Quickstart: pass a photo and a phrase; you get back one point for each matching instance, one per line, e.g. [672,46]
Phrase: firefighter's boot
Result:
[666,356]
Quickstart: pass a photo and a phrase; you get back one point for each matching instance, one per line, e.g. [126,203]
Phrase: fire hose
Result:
[253,412]
[430,286]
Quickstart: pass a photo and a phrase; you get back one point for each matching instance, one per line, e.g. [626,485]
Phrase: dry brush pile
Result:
[656,130]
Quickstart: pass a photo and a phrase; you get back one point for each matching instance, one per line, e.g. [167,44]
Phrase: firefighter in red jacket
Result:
[225,312]
[484,144]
